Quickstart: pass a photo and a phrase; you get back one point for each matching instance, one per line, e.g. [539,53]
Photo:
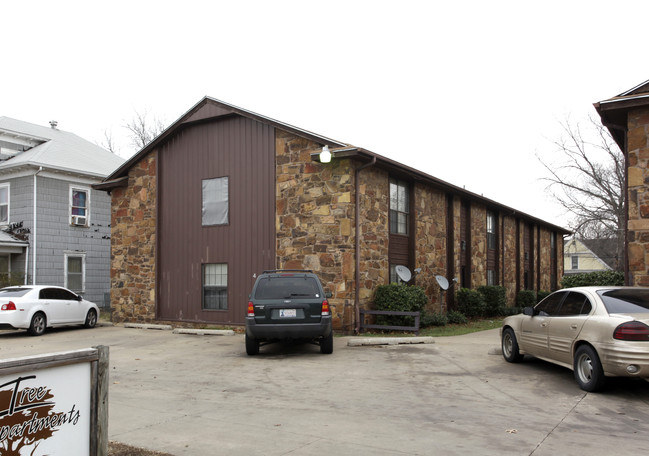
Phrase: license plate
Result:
[287,313]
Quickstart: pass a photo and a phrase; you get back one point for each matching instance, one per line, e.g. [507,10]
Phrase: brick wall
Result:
[133,243]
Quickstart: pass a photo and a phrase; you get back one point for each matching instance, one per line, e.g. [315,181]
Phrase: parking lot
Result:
[202,395]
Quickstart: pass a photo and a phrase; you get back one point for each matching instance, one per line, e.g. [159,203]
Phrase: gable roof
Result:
[605,250]
[55,149]
[210,108]
[613,111]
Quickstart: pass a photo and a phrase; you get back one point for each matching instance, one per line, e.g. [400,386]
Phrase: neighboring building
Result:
[627,118]
[224,194]
[55,226]
[590,255]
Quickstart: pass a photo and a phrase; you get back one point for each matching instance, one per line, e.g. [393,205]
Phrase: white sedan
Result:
[36,307]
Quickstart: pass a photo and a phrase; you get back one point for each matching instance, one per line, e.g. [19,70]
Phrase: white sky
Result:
[466,90]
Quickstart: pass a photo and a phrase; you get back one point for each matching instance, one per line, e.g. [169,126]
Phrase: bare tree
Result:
[143,129]
[589,181]
[108,142]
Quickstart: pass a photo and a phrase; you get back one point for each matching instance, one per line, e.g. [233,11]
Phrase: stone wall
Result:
[510,273]
[314,220]
[638,197]
[478,245]
[133,241]
[430,242]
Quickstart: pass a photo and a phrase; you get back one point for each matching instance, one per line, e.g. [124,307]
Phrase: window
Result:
[575,262]
[399,207]
[215,286]
[491,230]
[215,201]
[491,277]
[4,204]
[75,277]
[575,304]
[79,206]
[549,305]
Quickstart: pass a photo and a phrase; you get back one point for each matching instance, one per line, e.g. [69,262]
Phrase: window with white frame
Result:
[4,204]
[574,262]
[79,206]
[215,201]
[75,271]
[215,286]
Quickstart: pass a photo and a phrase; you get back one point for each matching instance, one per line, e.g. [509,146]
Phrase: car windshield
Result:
[627,300]
[14,292]
[287,287]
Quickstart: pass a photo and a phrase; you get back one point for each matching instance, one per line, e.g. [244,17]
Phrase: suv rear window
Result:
[287,287]
[626,300]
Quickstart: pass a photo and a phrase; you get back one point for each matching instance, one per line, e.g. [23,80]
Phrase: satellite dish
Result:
[443,283]
[403,273]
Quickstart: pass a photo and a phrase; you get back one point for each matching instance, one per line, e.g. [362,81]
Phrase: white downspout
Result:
[34,229]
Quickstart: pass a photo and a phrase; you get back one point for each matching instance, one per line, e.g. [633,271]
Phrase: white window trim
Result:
[8,186]
[83,189]
[83,269]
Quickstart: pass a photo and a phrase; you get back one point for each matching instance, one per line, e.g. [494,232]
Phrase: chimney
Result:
[53,124]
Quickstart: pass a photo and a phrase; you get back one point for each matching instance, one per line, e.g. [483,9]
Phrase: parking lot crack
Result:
[559,423]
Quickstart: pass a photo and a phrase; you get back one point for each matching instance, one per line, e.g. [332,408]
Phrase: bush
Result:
[455,317]
[433,319]
[526,298]
[471,303]
[506,311]
[599,278]
[494,298]
[399,298]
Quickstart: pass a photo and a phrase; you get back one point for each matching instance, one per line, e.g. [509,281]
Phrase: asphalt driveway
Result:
[202,395]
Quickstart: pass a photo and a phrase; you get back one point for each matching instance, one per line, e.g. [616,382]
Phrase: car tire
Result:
[588,369]
[38,324]
[252,346]
[91,319]
[327,344]
[509,346]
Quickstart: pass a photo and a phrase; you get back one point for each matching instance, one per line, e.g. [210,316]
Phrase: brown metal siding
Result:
[244,151]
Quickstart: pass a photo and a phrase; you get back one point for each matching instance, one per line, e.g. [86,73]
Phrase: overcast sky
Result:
[467,91]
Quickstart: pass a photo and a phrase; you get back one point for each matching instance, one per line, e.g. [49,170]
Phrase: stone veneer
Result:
[638,197]
[133,241]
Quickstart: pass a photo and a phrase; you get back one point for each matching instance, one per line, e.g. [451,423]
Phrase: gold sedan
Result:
[597,332]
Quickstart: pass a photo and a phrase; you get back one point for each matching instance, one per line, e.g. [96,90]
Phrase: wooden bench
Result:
[363,325]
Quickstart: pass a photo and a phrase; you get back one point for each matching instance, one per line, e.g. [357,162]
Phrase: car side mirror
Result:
[328,294]
[529,311]
[79,298]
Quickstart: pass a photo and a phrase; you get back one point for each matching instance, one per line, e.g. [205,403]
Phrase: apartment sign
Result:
[49,410]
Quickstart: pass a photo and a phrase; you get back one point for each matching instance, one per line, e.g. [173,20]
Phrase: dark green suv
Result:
[288,305]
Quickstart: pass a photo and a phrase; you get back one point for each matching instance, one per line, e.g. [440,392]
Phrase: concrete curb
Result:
[361,341]
[148,326]
[204,332]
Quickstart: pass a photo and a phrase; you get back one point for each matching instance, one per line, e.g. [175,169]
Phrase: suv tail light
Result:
[632,330]
[9,306]
[251,309]
[325,308]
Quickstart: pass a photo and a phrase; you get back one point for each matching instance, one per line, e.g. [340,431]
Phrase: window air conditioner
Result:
[79,220]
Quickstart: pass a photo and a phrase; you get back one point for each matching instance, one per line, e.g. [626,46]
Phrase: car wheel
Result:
[327,344]
[252,346]
[91,319]
[588,369]
[37,326]
[510,347]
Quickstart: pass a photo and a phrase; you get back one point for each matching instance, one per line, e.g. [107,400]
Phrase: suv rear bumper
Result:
[289,330]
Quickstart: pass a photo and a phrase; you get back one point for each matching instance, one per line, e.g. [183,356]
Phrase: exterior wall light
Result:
[325,155]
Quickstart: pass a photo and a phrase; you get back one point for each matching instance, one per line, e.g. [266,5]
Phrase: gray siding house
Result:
[54,227]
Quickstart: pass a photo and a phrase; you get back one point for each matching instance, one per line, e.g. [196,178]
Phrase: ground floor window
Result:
[215,286]
[491,277]
[75,265]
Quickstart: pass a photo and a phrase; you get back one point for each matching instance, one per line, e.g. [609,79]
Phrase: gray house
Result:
[54,227]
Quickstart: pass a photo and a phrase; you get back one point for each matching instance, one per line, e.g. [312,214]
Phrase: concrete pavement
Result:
[202,395]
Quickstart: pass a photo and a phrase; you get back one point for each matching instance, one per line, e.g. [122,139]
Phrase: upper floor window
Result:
[399,207]
[491,230]
[4,204]
[79,206]
[215,201]
[575,262]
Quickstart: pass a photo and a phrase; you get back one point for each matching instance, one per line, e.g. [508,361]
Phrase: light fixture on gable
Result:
[325,155]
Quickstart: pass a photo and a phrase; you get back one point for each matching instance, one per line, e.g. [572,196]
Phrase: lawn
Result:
[442,331]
